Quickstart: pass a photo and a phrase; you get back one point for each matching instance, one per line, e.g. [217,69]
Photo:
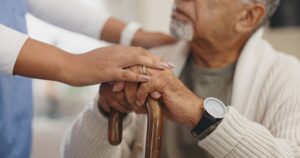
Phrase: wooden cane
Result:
[154,128]
[115,127]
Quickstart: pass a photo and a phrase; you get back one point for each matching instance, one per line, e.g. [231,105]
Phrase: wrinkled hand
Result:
[109,100]
[181,105]
[121,101]
[151,39]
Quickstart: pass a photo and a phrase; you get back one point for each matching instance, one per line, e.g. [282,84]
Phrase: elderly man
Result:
[228,60]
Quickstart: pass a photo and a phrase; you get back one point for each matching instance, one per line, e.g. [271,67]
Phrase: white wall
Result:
[152,14]
[155,14]
[285,40]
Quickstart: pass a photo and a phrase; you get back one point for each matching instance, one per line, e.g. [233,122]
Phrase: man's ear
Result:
[250,17]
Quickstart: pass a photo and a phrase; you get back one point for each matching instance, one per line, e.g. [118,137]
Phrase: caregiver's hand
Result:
[43,61]
[108,64]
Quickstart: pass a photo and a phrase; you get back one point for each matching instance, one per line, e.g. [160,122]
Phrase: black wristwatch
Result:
[214,111]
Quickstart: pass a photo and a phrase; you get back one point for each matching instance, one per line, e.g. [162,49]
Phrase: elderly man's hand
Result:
[181,105]
[112,100]
[118,100]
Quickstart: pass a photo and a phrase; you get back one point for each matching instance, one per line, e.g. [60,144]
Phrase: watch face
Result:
[215,107]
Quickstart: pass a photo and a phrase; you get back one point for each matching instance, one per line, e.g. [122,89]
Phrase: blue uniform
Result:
[15,93]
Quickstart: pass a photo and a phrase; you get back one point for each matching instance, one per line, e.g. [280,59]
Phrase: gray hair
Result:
[271,7]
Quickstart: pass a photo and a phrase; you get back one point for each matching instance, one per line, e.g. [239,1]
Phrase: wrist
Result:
[137,38]
[214,111]
[69,70]
[196,113]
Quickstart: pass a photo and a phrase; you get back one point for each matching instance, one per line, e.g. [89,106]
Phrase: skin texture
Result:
[221,28]
[43,61]
[174,95]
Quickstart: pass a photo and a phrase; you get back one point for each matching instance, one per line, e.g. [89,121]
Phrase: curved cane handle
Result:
[154,128]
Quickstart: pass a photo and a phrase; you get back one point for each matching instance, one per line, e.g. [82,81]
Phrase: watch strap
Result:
[209,130]
[206,121]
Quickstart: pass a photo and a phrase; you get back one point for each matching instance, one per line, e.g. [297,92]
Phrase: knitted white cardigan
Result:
[263,121]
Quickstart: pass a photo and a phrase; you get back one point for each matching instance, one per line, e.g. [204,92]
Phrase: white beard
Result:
[181,30]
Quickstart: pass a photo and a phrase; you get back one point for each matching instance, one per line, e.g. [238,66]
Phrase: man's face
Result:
[208,19]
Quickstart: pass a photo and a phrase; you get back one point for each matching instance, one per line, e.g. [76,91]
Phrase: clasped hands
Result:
[180,104]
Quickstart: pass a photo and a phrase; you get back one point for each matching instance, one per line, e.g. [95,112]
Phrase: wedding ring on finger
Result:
[144,70]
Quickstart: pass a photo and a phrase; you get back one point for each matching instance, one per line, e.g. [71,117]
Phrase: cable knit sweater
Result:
[263,120]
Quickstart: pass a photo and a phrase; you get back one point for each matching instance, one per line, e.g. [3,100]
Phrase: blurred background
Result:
[56,105]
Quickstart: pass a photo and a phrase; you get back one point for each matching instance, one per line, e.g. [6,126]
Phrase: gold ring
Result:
[144,70]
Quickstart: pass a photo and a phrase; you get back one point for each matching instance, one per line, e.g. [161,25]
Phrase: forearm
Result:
[23,56]
[70,14]
[43,61]
[112,30]
[77,17]
[236,136]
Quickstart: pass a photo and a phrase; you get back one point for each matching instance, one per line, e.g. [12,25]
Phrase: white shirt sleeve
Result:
[71,15]
[10,46]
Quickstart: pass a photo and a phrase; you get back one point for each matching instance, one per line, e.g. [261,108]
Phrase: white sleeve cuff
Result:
[10,47]
[128,33]
[227,135]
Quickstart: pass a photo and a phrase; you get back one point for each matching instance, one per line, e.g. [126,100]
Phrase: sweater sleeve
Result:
[88,136]
[71,15]
[10,46]
[237,136]
[276,129]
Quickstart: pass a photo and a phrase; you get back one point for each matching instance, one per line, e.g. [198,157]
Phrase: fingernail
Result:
[171,65]
[156,95]
[165,65]
[139,103]
[146,78]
